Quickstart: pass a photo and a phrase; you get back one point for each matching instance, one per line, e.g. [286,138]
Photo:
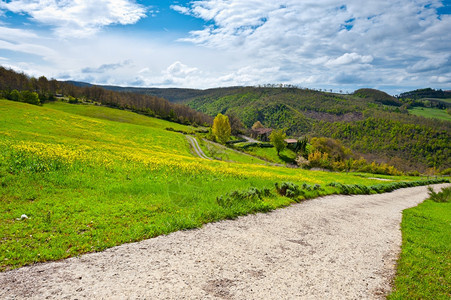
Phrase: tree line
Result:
[20,87]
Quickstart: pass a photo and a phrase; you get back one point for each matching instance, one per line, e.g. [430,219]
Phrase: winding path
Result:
[196,147]
[336,247]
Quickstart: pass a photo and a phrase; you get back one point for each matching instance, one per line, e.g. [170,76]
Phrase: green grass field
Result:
[424,268]
[90,177]
[219,152]
[435,113]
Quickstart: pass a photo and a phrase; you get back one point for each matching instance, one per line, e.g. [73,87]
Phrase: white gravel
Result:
[336,247]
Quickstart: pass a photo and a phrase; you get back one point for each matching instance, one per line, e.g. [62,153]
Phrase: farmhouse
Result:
[261,134]
[291,143]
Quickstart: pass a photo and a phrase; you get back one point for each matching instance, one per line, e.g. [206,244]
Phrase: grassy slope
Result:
[92,177]
[424,268]
[220,152]
[436,113]
[270,154]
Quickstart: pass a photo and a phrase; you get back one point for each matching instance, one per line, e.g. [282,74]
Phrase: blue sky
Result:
[392,45]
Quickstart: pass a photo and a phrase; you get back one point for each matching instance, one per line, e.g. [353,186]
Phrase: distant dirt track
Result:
[335,247]
[196,147]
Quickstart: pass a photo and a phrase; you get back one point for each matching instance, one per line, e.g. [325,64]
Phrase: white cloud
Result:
[377,40]
[79,17]
[313,43]
[14,33]
[180,9]
[177,69]
[349,58]
[28,48]
[440,79]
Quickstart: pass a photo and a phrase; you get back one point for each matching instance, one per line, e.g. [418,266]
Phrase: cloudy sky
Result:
[393,45]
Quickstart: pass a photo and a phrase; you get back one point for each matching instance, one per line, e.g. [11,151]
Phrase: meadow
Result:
[87,177]
[434,113]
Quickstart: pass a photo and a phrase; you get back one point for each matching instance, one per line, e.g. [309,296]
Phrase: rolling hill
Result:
[80,178]
[370,122]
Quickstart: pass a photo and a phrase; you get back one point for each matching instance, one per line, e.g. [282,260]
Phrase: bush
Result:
[358,189]
[288,189]
[242,197]
[294,191]
[441,197]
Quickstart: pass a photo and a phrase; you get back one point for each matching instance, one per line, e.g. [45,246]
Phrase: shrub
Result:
[292,190]
[443,196]
[288,189]
[358,189]
[242,197]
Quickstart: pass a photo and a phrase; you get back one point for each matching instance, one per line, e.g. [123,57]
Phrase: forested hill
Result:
[369,121]
[20,87]
[172,94]
[426,93]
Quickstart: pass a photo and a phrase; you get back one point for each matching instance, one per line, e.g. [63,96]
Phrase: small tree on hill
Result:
[277,138]
[221,128]
[257,125]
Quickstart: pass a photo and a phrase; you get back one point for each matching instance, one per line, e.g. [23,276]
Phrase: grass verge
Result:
[424,267]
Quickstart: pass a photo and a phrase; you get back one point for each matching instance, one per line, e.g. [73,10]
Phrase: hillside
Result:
[426,93]
[377,96]
[171,94]
[20,87]
[382,130]
[81,178]
[369,121]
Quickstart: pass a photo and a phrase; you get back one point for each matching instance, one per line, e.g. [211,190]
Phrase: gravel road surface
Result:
[335,247]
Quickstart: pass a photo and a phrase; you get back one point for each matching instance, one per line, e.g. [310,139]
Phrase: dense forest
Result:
[426,93]
[370,122]
[20,87]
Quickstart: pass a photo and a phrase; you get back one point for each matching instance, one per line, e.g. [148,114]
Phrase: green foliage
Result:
[299,192]
[356,189]
[377,96]
[443,196]
[252,198]
[425,93]
[423,269]
[221,128]
[288,189]
[301,147]
[417,145]
[24,96]
[332,147]
[277,138]
[387,134]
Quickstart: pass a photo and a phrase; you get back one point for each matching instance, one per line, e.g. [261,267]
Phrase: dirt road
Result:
[196,147]
[336,247]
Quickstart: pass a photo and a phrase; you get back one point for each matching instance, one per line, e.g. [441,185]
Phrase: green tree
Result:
[15,95]
[277,138]
[221,128]
[30,97]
